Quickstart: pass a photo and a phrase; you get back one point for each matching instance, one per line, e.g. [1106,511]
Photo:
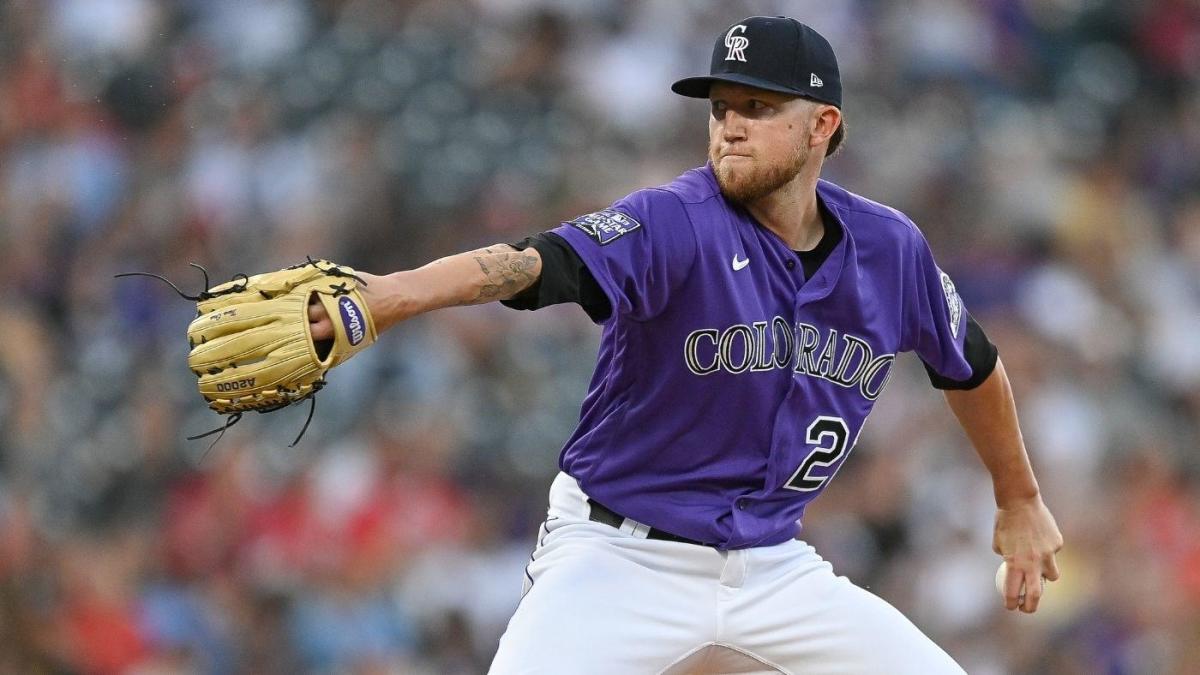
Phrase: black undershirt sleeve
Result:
[564,278]
[979,352]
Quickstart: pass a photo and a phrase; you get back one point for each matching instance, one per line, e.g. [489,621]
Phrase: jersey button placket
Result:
[790,264]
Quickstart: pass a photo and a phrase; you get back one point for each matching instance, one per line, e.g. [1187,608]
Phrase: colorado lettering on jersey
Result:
[770,345]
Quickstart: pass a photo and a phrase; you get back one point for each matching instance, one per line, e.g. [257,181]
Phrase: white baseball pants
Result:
[602,600]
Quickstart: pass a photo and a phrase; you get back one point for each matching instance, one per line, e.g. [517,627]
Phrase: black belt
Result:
[602,514]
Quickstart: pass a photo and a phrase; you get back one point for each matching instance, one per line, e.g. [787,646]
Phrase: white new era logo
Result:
[814,81]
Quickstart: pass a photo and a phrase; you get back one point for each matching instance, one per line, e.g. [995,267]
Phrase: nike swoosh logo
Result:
[739,264]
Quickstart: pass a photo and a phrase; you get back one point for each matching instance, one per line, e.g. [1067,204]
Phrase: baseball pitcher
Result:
[752,314]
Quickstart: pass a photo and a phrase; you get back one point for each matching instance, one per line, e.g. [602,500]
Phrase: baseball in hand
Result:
[1002,572]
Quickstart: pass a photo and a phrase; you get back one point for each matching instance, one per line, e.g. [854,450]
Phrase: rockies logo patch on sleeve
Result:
[606,226]
[953,303]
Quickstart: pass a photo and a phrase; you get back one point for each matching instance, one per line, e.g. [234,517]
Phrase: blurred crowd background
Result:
[1049,149]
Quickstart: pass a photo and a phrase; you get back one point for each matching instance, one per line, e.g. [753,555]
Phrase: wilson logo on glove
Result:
[351,320]
[251,346]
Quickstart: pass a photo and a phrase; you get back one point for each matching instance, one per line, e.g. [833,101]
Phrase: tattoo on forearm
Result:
[507,272]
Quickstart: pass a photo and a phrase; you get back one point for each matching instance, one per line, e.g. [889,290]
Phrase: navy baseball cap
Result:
[776,53]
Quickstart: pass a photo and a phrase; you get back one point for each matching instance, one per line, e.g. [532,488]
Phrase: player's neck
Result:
[791,212]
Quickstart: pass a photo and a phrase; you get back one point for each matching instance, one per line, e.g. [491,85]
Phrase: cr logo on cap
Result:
[736,43]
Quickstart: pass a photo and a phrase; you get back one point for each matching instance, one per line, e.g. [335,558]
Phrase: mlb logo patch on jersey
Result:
[606,226]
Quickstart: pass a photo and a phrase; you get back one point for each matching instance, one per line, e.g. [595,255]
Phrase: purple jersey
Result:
[729,389]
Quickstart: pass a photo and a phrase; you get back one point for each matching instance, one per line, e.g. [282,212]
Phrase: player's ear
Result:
[825,121]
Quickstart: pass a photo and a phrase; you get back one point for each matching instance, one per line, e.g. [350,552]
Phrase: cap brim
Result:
[697,87]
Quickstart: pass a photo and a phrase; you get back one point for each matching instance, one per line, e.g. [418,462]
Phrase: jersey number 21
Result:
[831,433]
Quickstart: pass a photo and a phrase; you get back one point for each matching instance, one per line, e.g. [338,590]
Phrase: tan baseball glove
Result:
[251,343]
